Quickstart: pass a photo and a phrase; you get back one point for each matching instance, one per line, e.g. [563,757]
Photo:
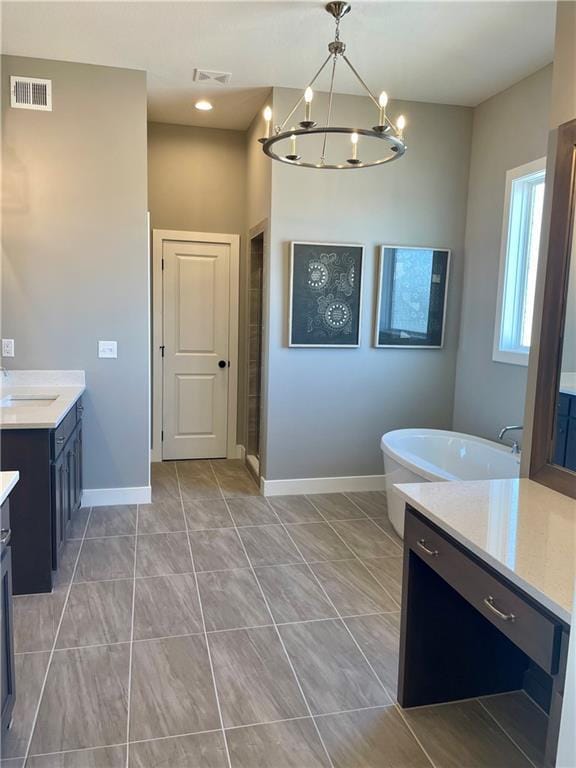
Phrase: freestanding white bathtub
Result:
[421,455]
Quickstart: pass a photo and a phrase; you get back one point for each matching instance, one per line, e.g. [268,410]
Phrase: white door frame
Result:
[159,237]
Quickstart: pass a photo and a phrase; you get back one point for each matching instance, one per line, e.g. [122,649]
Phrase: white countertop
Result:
[65,387]
[7,481]
[568,383]
[524,530]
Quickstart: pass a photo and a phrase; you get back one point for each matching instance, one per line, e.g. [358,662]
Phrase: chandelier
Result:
[283,144]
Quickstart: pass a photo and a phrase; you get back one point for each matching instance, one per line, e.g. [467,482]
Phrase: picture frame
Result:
[325,300]
[412,297]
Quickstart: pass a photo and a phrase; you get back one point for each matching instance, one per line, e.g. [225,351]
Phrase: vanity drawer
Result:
[515,616]
[63,431]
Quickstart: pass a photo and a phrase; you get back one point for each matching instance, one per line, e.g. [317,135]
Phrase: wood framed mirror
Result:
[553,455]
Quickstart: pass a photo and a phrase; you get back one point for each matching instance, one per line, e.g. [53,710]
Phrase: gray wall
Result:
[327,408]
[196,178]
[75,261]
[509,129]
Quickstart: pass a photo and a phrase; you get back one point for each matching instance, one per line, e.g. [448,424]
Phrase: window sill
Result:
[511,357]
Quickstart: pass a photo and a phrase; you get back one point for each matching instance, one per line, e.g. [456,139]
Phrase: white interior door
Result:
[196,286]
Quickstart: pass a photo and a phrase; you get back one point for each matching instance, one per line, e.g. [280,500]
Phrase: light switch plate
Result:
[7,347]
[107,349]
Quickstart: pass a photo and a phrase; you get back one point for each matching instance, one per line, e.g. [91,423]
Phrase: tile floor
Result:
[217,629]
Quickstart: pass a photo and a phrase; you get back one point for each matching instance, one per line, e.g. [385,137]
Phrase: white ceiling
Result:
[447,52]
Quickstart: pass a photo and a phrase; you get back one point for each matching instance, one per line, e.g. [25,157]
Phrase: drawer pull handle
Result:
[489,603]
[5,535]
[59,440]
[422,544]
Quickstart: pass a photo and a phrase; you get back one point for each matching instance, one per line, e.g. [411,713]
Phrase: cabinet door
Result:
[570,460]
[560,441]
[59,506]
[7,642]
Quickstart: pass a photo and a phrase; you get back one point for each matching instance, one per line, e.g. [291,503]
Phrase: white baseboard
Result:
[240,452]
[321,485]
[108,497]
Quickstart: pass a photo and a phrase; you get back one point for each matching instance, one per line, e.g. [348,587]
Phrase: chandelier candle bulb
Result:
[400,125]
[354,140]
[383,101]
[308,96]
[293,144]
[268,120]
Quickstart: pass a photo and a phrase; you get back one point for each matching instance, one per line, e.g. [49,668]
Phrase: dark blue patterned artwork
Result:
[325,296]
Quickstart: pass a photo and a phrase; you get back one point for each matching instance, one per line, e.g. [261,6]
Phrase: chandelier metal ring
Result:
[397,147]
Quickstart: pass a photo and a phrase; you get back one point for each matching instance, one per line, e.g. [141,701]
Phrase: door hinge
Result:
[162,350]
[162,265]
[162,435]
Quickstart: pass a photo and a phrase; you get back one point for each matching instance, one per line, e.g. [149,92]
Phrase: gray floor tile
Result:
[292,744]
[161,517]
[36,619]
[166,605]
[252,511]
[164,480]
[372,503]
[78,523]
[200,750]
[388,571]
[194,468]
[111,558]
[254,679]
[112,521]
[295,509]
[331,669]
[232,599]
[217,550]
[464,734]
[103,757]
[373,738]
[172,688]
[379,638]
[85,700]
[29,671]
[63,576]
[366,539]
[522,720]
[269,545]
[385,525]
[352,588]
[238,485]
[159,554]
[336,506]
[198,486]
[294,594]
[98,612]
[207,513]
[14,762]
[317,541]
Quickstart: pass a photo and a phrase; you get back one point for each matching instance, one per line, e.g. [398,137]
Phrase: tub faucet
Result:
[515,444]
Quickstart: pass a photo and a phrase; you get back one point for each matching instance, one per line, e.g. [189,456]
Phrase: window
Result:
[521,227]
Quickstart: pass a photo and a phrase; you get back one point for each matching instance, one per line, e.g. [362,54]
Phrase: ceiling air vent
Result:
[211,76]
[31,93]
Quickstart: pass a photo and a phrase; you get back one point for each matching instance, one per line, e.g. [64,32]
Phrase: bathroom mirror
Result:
[553,457]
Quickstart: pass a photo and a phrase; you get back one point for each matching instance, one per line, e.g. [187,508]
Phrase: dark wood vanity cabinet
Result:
[467,631]
[7,634]
[43,502]
[565,438]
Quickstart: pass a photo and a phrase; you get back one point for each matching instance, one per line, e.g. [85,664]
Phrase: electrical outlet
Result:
[7,347]
[107,349]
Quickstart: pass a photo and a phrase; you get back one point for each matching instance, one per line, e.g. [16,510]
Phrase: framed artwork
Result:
[325,295]
[412,291]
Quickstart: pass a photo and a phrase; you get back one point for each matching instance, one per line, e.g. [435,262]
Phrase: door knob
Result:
[222,364]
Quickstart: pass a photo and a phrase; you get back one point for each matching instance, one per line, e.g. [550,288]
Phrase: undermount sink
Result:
[27,401]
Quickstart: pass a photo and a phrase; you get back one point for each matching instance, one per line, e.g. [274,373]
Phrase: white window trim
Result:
[498,355]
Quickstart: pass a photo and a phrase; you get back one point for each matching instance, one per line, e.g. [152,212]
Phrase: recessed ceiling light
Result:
[203,105]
